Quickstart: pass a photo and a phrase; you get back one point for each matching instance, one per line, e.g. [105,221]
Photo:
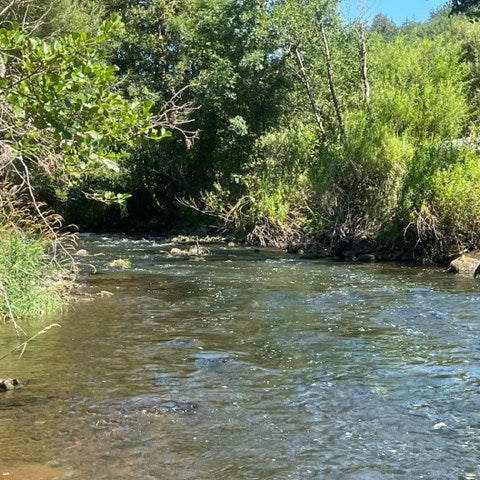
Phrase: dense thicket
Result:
[286,123]
[290,125]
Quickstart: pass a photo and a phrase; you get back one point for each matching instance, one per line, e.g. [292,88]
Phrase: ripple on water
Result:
[301,370]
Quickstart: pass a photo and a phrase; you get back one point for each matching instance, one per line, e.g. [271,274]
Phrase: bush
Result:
[277,186]
[455,200]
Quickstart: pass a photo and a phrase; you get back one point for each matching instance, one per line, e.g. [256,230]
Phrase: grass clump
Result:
[37,270]
[30,286]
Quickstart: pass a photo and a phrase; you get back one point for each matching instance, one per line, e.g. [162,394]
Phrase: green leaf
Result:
[111,165]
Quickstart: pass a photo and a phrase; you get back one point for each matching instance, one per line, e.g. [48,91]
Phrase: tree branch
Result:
[302,74]
[331,84]
[363,53]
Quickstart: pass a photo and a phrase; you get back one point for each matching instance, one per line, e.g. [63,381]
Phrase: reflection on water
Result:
[297,369]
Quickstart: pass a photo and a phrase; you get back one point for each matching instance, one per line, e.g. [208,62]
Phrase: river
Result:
[289,369]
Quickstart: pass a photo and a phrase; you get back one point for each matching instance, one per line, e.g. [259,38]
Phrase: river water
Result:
[290,369]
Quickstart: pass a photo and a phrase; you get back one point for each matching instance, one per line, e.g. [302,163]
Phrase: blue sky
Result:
[397,10]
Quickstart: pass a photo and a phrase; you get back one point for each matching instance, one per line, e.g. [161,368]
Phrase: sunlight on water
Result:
[250,365]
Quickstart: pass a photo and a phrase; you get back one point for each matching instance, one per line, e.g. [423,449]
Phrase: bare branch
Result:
[363,52]
[7,8]
[302,74]
[20,10]
[175,116]
[331,84]
[56,241]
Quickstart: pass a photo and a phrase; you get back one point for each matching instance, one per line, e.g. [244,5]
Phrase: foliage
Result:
[26,277]
[455,199]
[471,8]
[381,181]
[289,123]
[62,119]
[275,209]
[59,111]
[36,268]
[382,25]
[213,55]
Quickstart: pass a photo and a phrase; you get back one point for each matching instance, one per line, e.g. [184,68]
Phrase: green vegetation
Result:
[36,272]
[471,8]
[279,120]
[27,277]
[120,263]
[62,120]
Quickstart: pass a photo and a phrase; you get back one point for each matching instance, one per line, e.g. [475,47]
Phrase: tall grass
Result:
[36,269]
[28,280]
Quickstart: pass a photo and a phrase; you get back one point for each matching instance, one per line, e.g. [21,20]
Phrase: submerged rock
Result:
[211,361]
[104,293]
[120,263]
[183,239]
[171,407]
[195,251]
[9,384]
[467,264]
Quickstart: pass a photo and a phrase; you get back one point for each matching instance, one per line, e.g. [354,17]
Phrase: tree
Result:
[62,118]
[384,26]
[60,115]
[470,8]
[213,57]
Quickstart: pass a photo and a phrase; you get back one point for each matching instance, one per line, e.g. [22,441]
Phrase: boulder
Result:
[176,252]
[366,258]
[183,239]
[194,251]
[467,264]
[293,248]
[9,384]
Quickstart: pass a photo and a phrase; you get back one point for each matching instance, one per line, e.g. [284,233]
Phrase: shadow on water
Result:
[251,365]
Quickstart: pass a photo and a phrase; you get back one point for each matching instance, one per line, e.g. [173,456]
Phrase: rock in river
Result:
[467,264]
[171,407]
[9,384]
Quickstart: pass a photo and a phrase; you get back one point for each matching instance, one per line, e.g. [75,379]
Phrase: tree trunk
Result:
[363,52]
[331,84]
[311,95]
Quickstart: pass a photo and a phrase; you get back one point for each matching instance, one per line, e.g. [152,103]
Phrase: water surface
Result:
[299,369]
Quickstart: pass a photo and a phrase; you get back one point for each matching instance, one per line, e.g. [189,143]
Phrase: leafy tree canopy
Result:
[471,8]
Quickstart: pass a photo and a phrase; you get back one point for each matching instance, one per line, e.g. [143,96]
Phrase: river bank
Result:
[347,249]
